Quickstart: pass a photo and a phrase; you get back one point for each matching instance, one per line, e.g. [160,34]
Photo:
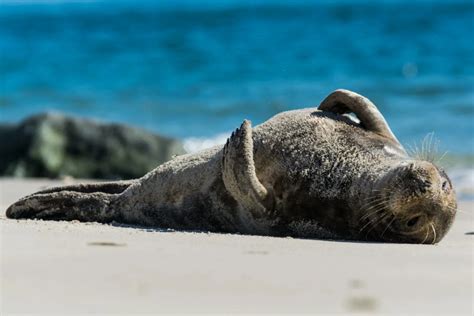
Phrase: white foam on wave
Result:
[463,182]
[195,144]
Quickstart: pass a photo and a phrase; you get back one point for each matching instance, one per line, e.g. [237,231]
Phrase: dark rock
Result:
[54,145]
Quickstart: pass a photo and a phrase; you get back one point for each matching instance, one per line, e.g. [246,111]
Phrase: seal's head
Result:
[414,203]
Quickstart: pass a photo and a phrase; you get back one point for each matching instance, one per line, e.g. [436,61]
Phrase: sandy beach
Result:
[80,268]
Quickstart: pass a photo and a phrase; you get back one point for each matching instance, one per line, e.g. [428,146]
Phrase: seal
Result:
[305,173]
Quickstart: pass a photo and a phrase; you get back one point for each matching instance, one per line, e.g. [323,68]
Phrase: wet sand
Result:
[79,268]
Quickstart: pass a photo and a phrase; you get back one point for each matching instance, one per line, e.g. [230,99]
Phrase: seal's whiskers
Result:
[381,219]
[370,221]
[428,149]
[441,157]
[434,233]
[426,237]
[388,225]
[373,212]
[375,203]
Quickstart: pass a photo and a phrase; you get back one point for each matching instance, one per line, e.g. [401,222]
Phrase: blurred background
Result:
[193,70]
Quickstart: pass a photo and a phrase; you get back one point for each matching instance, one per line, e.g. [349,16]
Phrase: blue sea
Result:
[196,69]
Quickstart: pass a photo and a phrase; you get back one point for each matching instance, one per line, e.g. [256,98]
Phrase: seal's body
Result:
[303,173]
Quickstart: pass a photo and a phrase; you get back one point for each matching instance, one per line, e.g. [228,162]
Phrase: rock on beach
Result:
[55,145]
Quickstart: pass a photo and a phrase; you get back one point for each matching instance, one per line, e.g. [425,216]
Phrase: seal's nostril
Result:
[413,221]
[445,185]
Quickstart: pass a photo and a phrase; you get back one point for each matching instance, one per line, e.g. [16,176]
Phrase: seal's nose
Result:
[417,179]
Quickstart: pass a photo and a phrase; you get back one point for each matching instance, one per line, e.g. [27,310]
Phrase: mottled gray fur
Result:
[303,173]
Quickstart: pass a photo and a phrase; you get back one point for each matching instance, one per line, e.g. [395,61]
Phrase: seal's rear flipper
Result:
[113,187]
[238,171]
[84,202]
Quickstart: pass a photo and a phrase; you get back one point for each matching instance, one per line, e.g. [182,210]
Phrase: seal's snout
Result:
[418,178]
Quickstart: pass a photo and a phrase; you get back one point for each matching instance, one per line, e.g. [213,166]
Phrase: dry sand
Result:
[79,268]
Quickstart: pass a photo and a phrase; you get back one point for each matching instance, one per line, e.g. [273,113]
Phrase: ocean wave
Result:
[463,182]
[195,144]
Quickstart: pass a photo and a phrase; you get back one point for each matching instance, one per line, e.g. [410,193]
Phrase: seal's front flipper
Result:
[65,205]
[238,171]
[344,101]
